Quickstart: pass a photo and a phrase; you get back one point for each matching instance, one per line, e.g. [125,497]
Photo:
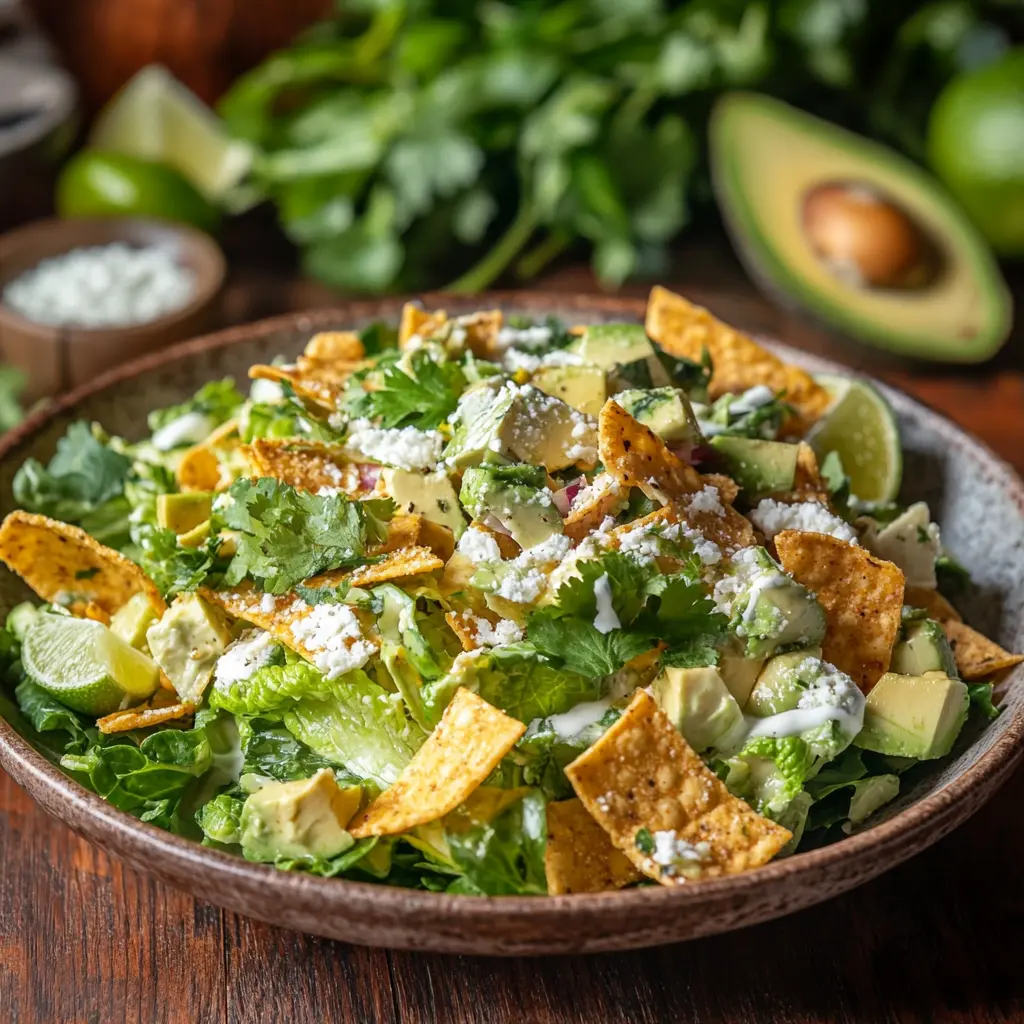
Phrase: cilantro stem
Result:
[478,277]
[542,254]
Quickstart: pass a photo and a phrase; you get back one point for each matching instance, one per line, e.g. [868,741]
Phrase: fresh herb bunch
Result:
[400,137]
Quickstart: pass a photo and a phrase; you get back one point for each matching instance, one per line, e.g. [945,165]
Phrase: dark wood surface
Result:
[83,939]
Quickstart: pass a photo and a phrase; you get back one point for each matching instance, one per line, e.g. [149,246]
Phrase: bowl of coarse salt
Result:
[79,296]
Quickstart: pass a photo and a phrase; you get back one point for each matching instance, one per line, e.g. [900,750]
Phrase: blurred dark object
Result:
[205,44]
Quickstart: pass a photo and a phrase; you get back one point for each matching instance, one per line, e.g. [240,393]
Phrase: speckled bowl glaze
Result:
[976,497]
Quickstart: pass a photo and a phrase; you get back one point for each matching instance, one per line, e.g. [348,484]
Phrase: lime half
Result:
[155,117]
[861,428]
[85,666]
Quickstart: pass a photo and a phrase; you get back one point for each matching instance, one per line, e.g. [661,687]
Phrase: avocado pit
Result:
[865,239]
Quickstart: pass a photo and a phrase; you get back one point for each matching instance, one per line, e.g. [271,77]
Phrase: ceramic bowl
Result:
[977,498]
[56,359]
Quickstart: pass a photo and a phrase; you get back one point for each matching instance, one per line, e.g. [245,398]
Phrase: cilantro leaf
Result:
[630,581]
[981,700]
[173,568]
[423,399]
[581,646]
[284,536]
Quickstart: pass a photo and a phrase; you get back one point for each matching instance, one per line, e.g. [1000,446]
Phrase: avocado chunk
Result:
[700,706]
[304,818]
[583,387]
[498,421]
[625,353]
[131,621]
[923,648]
[196,536]
[665,410]
[911,541]
[739,674]
[782,681]
[772,166]
[914,716]
[759,467]
[430,495]
[517,497]
[186,643]
[183,512]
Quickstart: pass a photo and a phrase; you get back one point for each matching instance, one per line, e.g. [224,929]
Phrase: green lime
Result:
[976,146]
[99,184]
[155,117]
[85,666]
[861,428]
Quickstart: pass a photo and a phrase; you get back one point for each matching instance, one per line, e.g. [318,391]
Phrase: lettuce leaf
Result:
[274,687]
[221,820]
[218,401]
[269,749]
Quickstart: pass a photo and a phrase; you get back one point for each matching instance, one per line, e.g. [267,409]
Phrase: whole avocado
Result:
[95,183]
[976,146]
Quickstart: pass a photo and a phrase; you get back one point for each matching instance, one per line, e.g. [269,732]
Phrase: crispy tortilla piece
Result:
[976,656]
[199,468]
[642,774]
[155,711]
[63,564]
[579,856]
[637,457]
[463,625]
[933,602]
[469,741]
[316,382]
[728,489]
[606,497]
[482,330]
[402,562]
[723,526]
[862,597]
[410,529]
[417,322]
[335,347]
[308,466]
[739,362]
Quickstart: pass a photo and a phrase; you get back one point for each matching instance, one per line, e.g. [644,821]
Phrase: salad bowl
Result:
[977,499]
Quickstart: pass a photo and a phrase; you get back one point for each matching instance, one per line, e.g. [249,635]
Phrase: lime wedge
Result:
[85,666]
[155,117]
[861,428]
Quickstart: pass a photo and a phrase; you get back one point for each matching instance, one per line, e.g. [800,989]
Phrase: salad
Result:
[490,606]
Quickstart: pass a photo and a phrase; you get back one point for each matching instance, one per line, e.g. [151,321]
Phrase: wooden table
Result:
[84,939]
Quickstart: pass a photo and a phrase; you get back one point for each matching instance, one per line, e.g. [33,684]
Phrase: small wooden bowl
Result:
[58,358]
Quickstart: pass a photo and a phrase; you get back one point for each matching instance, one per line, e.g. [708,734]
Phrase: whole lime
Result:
[95,183]
[976,146]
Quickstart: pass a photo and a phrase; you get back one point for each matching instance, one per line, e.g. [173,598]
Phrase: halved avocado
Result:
[854,233]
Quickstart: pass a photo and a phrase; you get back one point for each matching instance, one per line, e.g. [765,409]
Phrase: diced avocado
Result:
[21,617]
[582,387]
[914,716]
[700,706]
[625,352]
[870,794]
[186,643]
[855,233]
[196,536]
[911,541]
[183,512]
[502,421]
[431,495]
[665,410]
[781,682]
[759,467]
[739,674]
[516,496]
[304,818]
[132,620]
[923,648]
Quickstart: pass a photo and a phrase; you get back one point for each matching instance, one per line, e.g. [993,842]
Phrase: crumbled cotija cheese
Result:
[405,447]
[479,546]
[500,634]
[707,500]
[332,634]
[243,658]
[772,517]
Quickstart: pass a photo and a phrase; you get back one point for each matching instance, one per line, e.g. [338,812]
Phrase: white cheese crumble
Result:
[518,359]
[521,586]
[772,517]
[554,549]
[268,604]
[524,337]
[671,852]
[751,399]
[404,447]
[707,500]
[243,658]
[747,573]
[332,634]
[605,620]
[479,546]
[498,634]
[191,428]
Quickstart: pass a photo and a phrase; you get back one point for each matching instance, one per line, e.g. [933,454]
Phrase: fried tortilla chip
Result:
[637,457]
[641,779]
[335,347]
[728,489]
[463,625]
[603,498]
[413,530]
[154,712]
[739,362]
[308,466]
[579,856]
[932,602]
[715,519]
[320,383]
[862,597]
[63,564]
[482,330]
[403,562]
[199,468]
[976,656]
[416,322]
[469,741]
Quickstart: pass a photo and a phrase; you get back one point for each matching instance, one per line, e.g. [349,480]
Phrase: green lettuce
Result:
[270,750]
[221,820]
[274,687]
[218,401]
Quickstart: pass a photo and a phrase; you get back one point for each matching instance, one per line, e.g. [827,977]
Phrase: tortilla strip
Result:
[144,716]
[335,347]
[739,362]
[976,656]
[642,774]
[579,856]
[862,597]
[416,322]
[606,499]
[402,562]
[199,469]
[318,383]
[413,530]
[64,565]
[308,466]
[469,741]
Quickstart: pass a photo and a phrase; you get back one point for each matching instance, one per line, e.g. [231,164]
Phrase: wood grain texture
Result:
[84,939]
